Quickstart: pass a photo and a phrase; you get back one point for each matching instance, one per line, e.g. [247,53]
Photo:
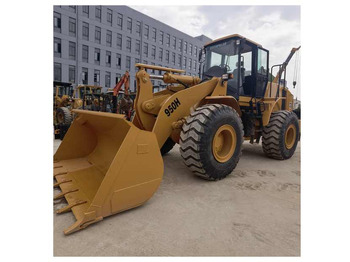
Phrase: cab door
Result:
[262,71]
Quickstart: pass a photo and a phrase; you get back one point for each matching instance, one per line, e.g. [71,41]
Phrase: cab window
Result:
[262,62]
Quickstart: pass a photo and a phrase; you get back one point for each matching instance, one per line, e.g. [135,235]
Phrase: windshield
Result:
[223,55]
[65,90]
[97,91]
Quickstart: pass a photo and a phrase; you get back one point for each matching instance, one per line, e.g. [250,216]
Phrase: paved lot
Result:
[255,211]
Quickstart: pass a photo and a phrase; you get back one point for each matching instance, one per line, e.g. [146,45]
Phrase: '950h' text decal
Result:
[172,107]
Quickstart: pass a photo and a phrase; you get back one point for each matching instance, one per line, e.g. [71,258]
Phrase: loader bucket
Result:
[105,165]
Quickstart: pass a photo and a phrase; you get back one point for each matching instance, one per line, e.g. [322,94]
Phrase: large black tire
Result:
[63,116]
[168,145]
[280,137]
[196,141]
[63,130]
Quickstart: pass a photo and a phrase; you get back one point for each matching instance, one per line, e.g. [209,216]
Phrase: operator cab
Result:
[61,88]
[246,60]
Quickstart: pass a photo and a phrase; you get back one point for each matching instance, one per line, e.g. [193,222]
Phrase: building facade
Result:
[95,45]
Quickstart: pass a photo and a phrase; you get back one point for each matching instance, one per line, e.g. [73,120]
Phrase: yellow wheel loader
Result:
[106,164]
[63,93]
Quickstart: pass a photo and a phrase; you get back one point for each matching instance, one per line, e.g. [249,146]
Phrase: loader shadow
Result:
[253,151]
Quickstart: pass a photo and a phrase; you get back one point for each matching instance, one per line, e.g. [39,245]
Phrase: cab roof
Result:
[234,36]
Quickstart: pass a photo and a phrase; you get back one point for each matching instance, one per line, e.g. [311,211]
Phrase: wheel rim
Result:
[60,118]
[290,136]
[224,143]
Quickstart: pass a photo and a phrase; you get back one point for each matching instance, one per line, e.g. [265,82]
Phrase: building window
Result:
[185,47]
[137,60]
[85,55]
[179,60]
[108,58]
[86,10]
[57,47]
[57,72]
[153,52]
[57,22]
[85,31]
[195,51]
[160,71]
[128,44]
[145,49]
[190,49]
[194,65]
[146,34]
[180,45]
[98,13]
[119,61]
[97,77]
[160,54]
[128,62]
[71,74]
[109,38]
[85,75]
[72,8]
[167,40]
[137,47]
[174,42]
[129,25]
[167,56]
[138,28]
[173,58]
[98,34]
[161,37]
[185,62]
[117,78]
[190,64]
[153,71]
[97,56]
[72,26]
[109,16]
[108,79]
[72,50]
[119,41]
[120,21]
[154,34]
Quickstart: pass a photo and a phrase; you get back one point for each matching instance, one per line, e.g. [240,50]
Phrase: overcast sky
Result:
[276,28]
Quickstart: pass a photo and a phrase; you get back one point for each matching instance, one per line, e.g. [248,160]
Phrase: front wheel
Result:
[280,137]
[211,141]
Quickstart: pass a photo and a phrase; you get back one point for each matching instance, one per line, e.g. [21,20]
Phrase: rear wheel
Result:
[211,141]
[280,137]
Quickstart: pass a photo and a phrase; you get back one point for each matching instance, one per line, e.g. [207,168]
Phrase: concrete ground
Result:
[255,211]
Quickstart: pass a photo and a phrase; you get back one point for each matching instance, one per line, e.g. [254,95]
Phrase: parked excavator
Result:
[106,164]
[119,100]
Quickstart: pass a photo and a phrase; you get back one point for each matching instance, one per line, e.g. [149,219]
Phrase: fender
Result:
[271,106]
[225,100]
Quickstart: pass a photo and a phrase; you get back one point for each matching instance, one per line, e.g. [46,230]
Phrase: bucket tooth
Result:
[69,207]
[61,182]
[61,195]
[60,173]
